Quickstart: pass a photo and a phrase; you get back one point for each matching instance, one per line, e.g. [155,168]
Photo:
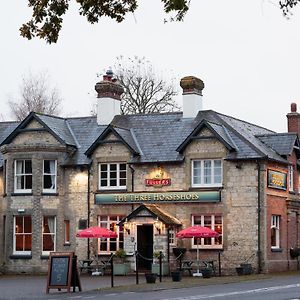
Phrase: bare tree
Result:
[145,91]
[35,95]
[287,6]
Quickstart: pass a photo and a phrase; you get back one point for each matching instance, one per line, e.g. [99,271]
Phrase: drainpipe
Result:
[132,183]
[88,208]
[259,267]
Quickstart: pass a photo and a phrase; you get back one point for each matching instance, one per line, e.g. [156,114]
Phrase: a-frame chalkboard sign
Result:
[63,272]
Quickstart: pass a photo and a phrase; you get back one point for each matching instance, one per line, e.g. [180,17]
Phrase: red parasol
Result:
[96,232]
[197,232]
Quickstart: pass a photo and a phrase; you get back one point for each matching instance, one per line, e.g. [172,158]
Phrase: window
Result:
[214,222]
[49,176]
[23,176]
[22,235]
[291,178]
[172,240]
[206,173]
[67,231]
[275,232]
[111,244]
[112,176]
[49,229]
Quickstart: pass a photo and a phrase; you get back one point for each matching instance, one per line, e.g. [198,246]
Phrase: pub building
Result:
[146,177]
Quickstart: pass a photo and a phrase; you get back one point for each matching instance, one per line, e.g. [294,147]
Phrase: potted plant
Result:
[150,277]
[121,267]
[155,265]
[176,275]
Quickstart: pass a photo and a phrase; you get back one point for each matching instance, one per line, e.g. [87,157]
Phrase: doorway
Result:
[145,246]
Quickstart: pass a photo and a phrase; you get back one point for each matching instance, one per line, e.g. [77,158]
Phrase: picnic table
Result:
[189,265]
[94,265]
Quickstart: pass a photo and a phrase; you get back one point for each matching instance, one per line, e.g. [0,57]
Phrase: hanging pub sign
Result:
[277,180]
[158,178]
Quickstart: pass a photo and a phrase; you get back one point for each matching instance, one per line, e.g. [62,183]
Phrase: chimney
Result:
[294,120]
[109,102]
[191,96]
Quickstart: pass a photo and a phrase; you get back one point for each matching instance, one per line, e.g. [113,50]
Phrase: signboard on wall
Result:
[206,196]
[277,180]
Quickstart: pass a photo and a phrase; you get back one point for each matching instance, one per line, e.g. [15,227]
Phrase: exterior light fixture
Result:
[157,225]
[127,226]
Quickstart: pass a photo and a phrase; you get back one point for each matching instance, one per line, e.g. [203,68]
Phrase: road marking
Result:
[261,290]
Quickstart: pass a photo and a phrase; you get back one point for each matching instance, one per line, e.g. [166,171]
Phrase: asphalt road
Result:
[267,287]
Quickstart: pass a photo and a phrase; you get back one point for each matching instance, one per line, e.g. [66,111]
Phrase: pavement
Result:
[34,287]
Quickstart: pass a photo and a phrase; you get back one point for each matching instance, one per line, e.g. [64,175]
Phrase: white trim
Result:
[108,171]
[15,252]
[16,190]
[50,174]
[202,184]
[51,234]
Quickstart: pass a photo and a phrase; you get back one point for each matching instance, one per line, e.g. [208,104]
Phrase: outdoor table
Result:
[187,265]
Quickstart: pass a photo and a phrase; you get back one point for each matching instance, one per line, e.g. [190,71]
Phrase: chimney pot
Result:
[191,96]
[293,107]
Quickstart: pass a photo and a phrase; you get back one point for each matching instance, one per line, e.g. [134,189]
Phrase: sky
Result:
[245,51]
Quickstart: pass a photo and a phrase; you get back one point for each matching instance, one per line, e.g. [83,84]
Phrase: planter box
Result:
[176,276]
[121,269]
[164,269]
[150,277]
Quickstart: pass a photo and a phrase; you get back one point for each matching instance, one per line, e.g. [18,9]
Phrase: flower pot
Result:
[121,268]
[247,269]
[239,271]
[150,277]
[206,272]
[176,276]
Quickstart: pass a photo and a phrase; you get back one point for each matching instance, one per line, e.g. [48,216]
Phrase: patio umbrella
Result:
[197,232]
[96,232]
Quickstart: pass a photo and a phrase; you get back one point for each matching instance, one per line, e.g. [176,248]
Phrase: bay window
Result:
[49,176]
[49,236]
[109,245]
[23,176]
[214,222]
[207,173]
[112,176]
[22,242]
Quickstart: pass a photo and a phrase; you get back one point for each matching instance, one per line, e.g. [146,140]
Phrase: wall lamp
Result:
[126,226]
[157,225]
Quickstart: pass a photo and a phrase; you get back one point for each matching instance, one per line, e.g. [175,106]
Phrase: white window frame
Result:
[201,244]
[202,183]
[172,236]
[291,178]
[50,174]
[118,229]
[16,190]
[51,234]
[275,224]
[15,235]
[108,186]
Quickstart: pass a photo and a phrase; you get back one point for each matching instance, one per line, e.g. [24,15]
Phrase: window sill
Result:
[22,194]
[107,191]
[205,188]
[45,256]
[67,244]
[276,250]
[20,256]
[49,194]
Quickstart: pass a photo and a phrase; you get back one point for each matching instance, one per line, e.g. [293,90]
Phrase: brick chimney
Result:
[294,119]
[109,98]
[191,96]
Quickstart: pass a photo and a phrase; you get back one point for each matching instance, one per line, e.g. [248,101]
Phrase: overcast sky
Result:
[246,53]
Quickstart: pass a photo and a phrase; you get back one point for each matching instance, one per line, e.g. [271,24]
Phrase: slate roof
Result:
[156,138]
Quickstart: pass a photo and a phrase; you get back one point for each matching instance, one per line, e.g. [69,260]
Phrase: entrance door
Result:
[145,246]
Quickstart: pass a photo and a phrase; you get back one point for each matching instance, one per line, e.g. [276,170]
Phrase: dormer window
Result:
[112,176]
[23,176]
[207,173]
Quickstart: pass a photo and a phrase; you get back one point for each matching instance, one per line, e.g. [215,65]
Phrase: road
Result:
[276,288]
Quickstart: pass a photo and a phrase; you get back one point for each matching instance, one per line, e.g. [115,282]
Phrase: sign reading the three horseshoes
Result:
[205,196]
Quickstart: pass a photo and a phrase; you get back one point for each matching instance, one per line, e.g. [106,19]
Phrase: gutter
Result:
[88,207]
